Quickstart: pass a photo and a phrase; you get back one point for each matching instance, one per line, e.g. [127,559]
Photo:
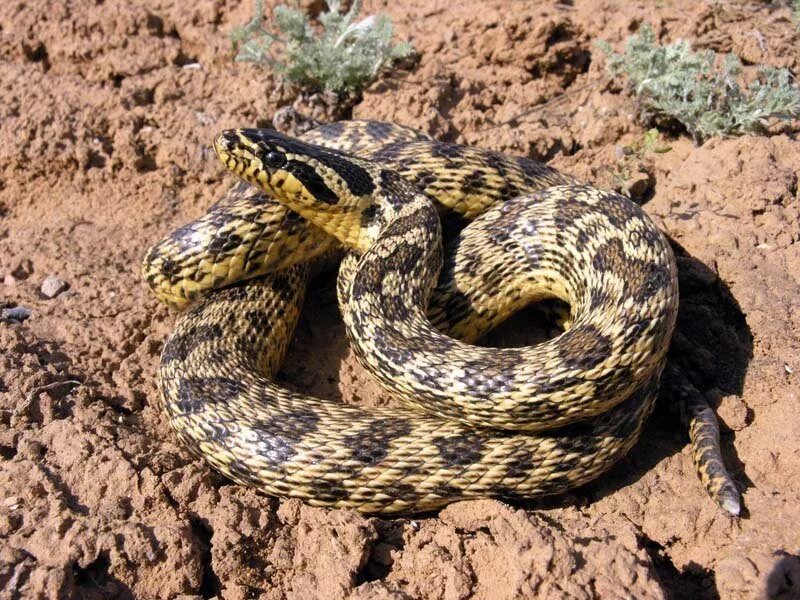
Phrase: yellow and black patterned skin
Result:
[248,234]
[510,423]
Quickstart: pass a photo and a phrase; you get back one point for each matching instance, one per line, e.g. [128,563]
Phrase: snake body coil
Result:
[511,423]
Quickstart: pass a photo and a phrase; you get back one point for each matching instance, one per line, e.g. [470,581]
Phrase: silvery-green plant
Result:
[345,55]
[701,91]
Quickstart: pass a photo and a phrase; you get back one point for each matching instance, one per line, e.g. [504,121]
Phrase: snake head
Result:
[328,188]
[257,158]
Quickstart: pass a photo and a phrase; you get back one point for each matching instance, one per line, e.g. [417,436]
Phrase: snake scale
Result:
[512,423]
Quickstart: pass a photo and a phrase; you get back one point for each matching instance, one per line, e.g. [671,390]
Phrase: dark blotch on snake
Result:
[400,490]
[389,153]
[372,446]
[195,393]
[379,129]
[331,131]
[610,257]
[583,347]
[169,267]
[281,283]
[538,175]
[225,244]
[445,150]
[508,191]
[473,183]
[180,345]
[618,209]
[257,319]
[657,279]
[405,259]
[280,434]
[609,383]
[330,491]
[459,451]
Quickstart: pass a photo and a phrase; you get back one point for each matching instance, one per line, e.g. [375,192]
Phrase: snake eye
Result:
[275,159]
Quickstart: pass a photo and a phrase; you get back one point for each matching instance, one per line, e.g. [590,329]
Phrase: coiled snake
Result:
[511,422]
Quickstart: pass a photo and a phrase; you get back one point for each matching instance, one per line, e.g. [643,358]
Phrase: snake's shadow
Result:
[713,345]
[315,357]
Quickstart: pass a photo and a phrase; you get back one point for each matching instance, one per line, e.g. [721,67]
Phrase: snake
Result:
[509,423]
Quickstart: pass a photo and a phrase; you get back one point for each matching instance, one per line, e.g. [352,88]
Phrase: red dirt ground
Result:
[106,114]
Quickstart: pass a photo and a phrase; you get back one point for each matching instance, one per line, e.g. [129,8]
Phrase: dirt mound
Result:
[106,113]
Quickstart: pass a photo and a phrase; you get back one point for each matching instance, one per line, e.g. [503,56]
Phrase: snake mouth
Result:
[233,153]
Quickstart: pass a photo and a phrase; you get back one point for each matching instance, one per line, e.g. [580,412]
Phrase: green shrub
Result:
[701,91]
[343,56]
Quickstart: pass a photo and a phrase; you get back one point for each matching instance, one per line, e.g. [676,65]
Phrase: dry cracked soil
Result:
[107,109]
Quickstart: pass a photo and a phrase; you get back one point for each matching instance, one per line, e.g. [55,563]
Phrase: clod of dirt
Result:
[23,270]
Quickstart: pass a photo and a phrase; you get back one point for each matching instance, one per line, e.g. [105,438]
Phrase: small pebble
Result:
[17,313]
[53,286]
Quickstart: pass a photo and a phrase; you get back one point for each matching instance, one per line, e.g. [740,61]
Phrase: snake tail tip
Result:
[731,505]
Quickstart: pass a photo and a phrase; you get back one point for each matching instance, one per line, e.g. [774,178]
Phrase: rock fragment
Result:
[17,314]
[53,286]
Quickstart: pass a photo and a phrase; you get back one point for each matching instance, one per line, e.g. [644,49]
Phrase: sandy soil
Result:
[106,113]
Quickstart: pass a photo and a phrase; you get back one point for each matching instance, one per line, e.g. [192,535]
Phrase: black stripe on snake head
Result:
[312,181]
[268,144]
[357,178]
